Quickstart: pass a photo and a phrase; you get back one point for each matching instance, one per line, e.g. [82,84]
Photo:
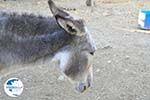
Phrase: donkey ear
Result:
[55,10]
[67,22]
[68,25]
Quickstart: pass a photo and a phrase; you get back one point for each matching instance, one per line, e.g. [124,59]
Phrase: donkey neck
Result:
[28,37]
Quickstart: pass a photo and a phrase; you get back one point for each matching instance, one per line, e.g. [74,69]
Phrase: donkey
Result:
[24,38]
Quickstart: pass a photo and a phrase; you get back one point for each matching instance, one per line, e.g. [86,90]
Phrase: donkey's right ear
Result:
[67,22]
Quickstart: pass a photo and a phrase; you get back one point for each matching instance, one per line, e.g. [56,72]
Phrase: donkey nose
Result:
[92,53]
[93,49]
[81,87]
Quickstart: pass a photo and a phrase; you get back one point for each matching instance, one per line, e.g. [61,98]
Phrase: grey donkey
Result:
[26,38]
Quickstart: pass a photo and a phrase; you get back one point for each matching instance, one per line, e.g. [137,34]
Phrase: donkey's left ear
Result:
[68,23]
[55,10]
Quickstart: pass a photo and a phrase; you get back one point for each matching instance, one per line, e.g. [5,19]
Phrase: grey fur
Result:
[26,38]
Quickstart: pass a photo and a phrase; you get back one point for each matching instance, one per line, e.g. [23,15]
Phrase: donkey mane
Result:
[26,25]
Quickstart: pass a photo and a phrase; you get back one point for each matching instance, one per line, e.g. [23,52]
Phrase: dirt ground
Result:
[122,60]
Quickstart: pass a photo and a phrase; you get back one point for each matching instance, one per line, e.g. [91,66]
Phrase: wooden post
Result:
[89,2]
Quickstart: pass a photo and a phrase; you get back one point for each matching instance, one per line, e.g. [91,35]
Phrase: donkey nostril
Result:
[81,87]
[92,53]
[84,88]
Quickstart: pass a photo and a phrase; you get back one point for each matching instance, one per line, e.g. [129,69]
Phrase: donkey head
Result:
[74,61]
[67,22]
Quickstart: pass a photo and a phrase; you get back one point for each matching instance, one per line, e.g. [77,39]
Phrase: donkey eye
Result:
[70,28]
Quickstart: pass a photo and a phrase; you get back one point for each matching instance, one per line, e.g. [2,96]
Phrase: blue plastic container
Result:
[144,19]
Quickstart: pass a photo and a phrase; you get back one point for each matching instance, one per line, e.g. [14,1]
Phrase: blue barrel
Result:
[144,19]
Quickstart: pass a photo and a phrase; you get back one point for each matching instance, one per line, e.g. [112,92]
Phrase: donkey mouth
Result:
[82,87]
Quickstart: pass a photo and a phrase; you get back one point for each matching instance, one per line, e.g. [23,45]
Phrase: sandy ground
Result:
[122,61]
